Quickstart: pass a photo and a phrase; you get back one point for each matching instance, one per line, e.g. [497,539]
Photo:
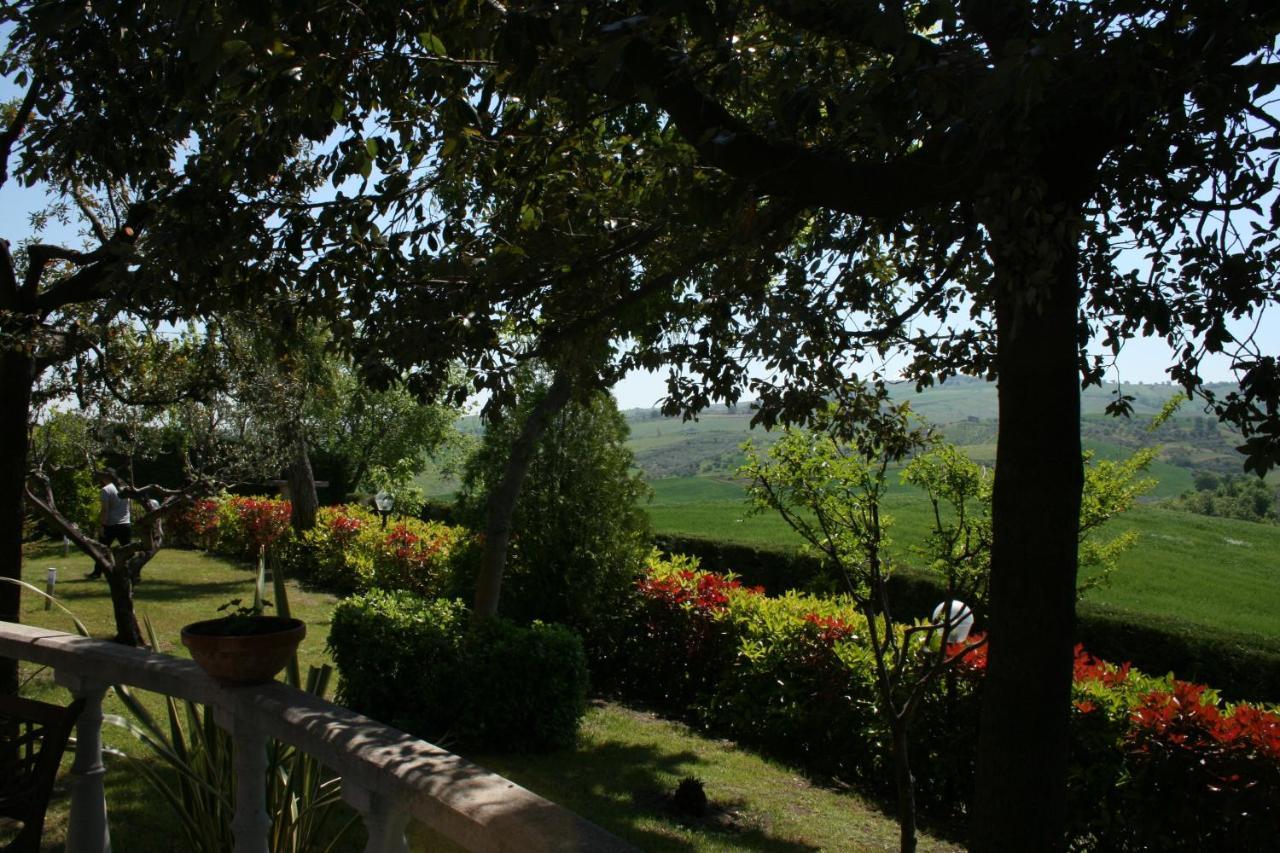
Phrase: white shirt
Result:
[115,509]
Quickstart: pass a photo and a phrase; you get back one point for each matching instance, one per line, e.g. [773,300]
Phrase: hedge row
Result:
[1156,761]
[1241,666]
[420,665]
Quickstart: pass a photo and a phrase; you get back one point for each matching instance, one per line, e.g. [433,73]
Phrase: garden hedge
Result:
[1157,762]
[1240,666]
[422,666]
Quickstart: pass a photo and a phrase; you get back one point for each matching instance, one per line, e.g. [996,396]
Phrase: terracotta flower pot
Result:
[243,650]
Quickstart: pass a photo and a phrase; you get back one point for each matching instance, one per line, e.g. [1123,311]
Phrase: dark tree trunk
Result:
[502,499]
[121,586]
[17,373]
[906,790]
[302,488]
[1020,798]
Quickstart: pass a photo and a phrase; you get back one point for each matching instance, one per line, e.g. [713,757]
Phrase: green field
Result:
[1212,571]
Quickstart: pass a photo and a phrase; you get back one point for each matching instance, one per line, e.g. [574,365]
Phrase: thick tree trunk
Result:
[1020,799]
[302,487]
[17,373]
[502,499]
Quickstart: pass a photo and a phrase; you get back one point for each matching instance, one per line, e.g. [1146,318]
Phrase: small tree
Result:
[829,485]
[138,393]
[578,536]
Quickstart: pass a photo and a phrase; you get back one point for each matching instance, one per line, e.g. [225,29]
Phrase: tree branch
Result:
[9,290]
[47,506]
[855,20]
[811,176]
[15,128]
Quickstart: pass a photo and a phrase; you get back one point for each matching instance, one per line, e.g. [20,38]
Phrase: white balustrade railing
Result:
[387,775]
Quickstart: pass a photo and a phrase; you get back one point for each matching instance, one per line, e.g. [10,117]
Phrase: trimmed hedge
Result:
[1157,762]
[420,665]
[1240,666]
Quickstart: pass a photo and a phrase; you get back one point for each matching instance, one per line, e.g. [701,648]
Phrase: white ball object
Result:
[961,618]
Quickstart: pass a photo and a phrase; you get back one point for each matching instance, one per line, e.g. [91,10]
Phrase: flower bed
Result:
[348,551]
[1157,762]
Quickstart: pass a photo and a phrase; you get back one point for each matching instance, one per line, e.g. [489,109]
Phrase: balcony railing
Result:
[387,775]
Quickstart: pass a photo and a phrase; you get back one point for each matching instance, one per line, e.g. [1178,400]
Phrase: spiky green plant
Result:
[195,772]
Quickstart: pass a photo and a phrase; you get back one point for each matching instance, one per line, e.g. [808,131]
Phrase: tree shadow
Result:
[162,590]
[624,788]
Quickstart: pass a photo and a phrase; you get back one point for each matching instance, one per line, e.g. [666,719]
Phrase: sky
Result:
[1141,360]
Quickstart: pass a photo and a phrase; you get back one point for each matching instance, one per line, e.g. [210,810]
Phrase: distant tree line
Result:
[1240,496]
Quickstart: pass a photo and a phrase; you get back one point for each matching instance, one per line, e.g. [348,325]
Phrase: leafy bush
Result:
[418,664]
[578,537]
[1153,757]
[349,551]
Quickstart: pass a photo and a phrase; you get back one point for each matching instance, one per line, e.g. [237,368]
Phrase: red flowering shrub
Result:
[831,629]
[262,521]
[1156,763]
[197,527]
[349,551]
[700,590]
[970,655]
[235,526]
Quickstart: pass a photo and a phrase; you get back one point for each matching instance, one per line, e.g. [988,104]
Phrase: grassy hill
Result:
[964,412]
[1210,571]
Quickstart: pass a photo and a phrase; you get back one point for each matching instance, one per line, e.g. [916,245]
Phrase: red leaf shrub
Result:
[1156,762]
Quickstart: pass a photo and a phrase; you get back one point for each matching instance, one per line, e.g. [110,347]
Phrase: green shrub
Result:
[578,536]
[349,551]
[419,665]
[398,658]
[526,687]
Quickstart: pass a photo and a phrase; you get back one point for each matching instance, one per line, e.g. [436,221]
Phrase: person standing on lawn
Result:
[113,515]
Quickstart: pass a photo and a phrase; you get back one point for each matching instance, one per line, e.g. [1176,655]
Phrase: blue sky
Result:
[1142,360]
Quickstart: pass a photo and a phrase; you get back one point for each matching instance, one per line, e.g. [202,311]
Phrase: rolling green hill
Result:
[1210,571]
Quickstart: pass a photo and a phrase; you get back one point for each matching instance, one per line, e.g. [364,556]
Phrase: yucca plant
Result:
[302,796]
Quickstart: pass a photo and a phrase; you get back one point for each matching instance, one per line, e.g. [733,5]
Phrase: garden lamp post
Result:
[384,501]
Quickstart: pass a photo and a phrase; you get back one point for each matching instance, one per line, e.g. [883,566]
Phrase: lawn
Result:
[616,776]
[1213,571]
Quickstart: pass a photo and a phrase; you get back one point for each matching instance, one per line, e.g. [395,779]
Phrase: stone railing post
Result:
[382,820]
[251,823]
[87,830]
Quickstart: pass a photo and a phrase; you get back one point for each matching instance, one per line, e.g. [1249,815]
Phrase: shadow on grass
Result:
[161,590]
[623,788]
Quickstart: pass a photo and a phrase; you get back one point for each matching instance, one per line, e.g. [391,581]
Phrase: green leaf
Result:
[431,43]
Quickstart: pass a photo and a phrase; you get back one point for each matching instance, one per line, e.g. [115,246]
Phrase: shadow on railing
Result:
[387,776]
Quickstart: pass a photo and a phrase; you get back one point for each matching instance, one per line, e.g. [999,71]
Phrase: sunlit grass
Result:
[615,777]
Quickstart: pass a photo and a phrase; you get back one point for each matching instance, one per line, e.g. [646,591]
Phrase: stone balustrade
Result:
[388,776]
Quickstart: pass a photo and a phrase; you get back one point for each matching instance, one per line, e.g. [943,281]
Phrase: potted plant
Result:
[245,646]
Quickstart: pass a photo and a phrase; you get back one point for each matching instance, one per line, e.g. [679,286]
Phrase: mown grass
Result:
[623,763]
[1212,571]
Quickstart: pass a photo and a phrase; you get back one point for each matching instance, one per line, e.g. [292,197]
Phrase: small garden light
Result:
[384,501]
